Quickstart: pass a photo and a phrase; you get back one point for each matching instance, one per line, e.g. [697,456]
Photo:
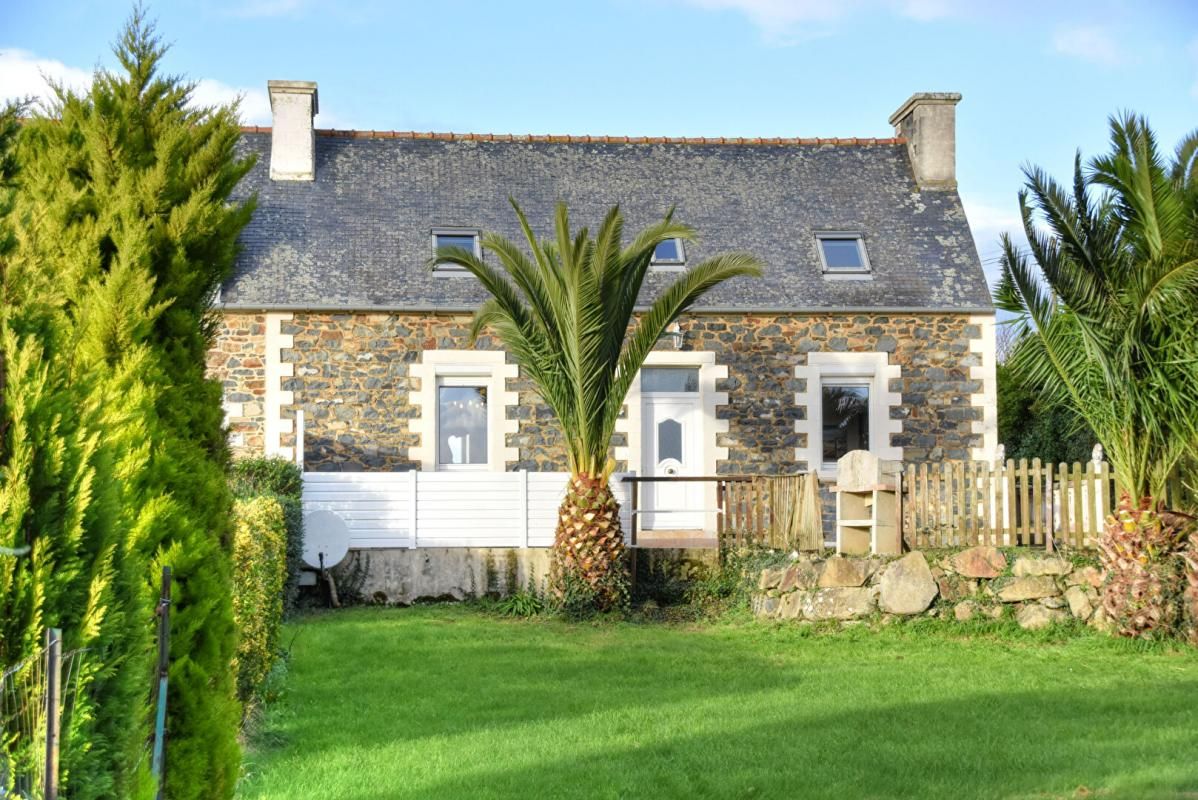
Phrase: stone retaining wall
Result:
[980,581]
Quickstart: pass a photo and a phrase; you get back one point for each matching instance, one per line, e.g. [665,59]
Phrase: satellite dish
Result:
[325,535]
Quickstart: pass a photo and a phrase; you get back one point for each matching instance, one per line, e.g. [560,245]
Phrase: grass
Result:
[446,701]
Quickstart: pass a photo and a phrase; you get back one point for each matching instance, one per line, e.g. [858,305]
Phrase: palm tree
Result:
[1107,304]
[564,311]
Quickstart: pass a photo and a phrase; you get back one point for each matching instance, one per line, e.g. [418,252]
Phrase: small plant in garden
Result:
[525,602]
[1145,582]
[576,599]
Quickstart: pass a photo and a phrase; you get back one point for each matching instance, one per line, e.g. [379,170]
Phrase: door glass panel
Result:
[669,440]
[846,420]
[462,425]
[670,379]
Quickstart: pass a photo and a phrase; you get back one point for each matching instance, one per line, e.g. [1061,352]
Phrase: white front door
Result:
[671,446]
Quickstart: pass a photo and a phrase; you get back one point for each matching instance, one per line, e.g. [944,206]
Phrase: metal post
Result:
[158,762]
[53,709]
[636,498]
[299,438]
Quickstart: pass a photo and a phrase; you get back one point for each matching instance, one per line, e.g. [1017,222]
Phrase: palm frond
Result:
[563,307]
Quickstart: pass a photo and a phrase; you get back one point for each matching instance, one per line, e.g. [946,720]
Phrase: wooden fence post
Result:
[163,612]
[53,710]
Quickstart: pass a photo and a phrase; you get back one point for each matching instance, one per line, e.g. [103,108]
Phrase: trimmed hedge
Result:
[283,480]
[259,573]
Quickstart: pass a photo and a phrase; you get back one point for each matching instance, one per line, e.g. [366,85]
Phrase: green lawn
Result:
[448,702]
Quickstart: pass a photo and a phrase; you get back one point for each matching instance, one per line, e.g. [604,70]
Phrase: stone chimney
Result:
[292,138]
[928,121]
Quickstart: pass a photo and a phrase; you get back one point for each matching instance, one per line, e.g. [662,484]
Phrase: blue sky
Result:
[1039,79]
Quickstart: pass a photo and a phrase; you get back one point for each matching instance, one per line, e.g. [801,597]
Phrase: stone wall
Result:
[977,582]
[237,361]
[351,377]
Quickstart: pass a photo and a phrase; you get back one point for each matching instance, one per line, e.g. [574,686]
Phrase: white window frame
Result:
[476,368]
[837,368]
[844,380]
[833,272]
[453,269]
[670,264]
[479,381]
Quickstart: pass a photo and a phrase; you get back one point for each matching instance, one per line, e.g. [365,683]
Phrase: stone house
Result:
[872,327]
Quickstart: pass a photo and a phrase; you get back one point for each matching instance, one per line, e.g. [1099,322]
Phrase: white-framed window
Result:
[842,253]
[465,238]
[670,380]
[845,411]
[463,403]
[462,422]
[669,255]
[847,398]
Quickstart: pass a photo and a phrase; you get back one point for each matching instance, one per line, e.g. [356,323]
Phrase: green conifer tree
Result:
[128,228]
[64,562]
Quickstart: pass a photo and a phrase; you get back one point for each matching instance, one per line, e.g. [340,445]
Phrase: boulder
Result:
[1086,576]
[979,562]
[791,607]
[1026,566]
[1079,602]
[765,606]
[802,575]
[954,587]
[838,603]
[771,577]
[908,586]
[1016,590]
[1035,616]
[965,610]
[844,572]
[1102,621]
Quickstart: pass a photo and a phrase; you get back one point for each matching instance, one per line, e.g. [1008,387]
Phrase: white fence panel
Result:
[376,506]
[451,509]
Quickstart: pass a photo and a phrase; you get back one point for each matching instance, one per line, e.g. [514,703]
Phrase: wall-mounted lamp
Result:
[674,334]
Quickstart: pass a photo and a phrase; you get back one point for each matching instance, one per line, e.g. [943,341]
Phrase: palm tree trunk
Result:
[588,548]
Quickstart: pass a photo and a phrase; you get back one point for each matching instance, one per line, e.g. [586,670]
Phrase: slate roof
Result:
[357,237]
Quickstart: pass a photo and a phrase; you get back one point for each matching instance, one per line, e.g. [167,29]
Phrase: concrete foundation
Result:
[405,576]
[458,573]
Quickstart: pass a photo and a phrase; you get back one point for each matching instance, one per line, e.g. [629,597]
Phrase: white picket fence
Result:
[447,509]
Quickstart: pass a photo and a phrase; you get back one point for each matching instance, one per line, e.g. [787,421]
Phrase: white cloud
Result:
[24,75]
[255,103]
[788,21]
[1091,43]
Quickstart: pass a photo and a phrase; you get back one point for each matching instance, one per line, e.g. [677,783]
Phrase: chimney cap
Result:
[294,87]
[924,99]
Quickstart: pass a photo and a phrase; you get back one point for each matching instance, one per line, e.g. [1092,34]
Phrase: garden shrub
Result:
[259,572]
[254,476]
[280,478]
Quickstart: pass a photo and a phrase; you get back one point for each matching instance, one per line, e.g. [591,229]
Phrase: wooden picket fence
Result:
[781,511]
[962,503]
